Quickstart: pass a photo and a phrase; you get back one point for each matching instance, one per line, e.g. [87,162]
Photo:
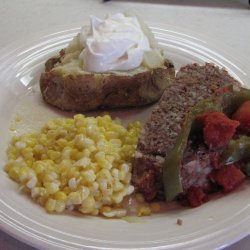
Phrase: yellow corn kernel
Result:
[50,205]
[27,153]
[31,183]
[88,176]
[107,192]
[74,154]
[9,165]
[49,176]
[20,145]
[51,124]
[95,212]
[43,192]
[105,209]
[38,167]
[88,205]
[86,152]
[60,196]
[103,163]
[60,206]
[41,200]
[81,130]
[127,178]
[14,173]
[116,142]
[115,213]
[65,163]
[112,135]
[43,139]
[110,158]
[122,175]
[144,211]
[117,197]
[75,198]
[23,174]
[73,172]
[35,192]
[115,173]
[66,190]
[38,148]
[118,186]
[100,155]
[51,134]
[66,153]
[92,148]
[44,157]
[79,155]
[62,142]
[106,200]
[85,193]
[105,174]
[94,167]
[79,123]
[52,187]
[53,155]
[83,162]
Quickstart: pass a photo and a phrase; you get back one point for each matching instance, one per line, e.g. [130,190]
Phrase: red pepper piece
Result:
[229,177]
[196,196]
[218,129]
[243,116]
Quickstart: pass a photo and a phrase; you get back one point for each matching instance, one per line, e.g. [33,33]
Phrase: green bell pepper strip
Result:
[237,150]
[227,103]
[232,101]
[171,166]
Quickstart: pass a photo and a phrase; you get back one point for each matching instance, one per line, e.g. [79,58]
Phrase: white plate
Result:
[215,224]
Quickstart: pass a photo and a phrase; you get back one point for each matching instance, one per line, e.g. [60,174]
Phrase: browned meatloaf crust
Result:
[192,84]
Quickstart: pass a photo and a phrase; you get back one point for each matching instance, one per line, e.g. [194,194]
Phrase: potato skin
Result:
[92,91]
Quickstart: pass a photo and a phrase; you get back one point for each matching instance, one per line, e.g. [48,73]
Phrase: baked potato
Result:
[66,85]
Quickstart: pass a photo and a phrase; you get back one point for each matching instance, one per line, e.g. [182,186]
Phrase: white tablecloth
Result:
[227,22]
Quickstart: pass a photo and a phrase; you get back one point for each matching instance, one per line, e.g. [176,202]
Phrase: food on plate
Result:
[243,116]
[211,154]
[113,63]
[80,164]
[211,151]
[193,83]
[195,142]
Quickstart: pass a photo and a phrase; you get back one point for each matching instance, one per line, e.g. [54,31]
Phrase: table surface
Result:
[226,21]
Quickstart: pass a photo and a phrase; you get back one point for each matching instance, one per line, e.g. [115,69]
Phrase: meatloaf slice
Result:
[192,84]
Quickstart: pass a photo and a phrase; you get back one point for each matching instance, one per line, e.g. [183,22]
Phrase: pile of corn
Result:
[80,164]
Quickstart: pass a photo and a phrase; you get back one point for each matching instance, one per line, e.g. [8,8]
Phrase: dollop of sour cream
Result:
[114,43]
